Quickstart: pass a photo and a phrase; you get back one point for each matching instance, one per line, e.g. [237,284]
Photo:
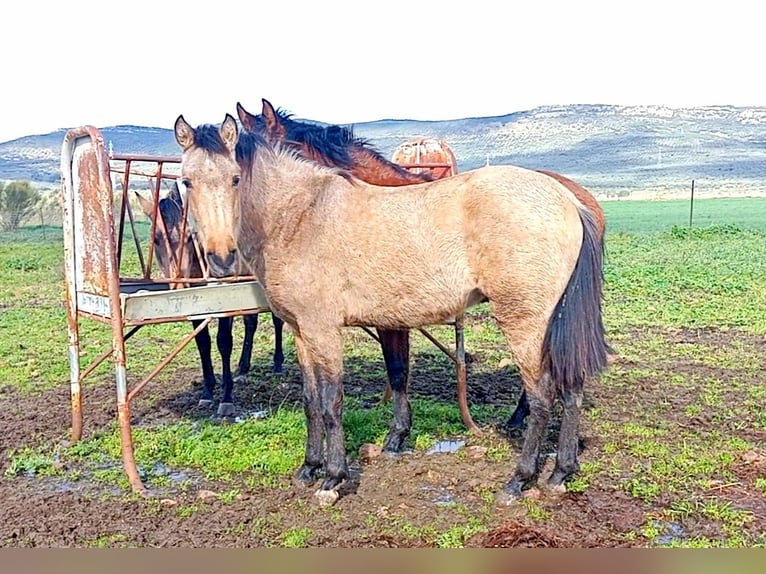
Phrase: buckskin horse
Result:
[338,146]
[319,241]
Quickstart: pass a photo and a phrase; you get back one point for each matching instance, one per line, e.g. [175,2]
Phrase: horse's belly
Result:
[409,308]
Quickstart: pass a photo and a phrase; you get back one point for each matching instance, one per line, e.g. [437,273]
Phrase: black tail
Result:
[574,347]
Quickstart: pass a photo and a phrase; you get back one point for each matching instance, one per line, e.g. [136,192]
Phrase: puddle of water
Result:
[251,415]
[674,532]
[174,476]
[444,499]
[446,446]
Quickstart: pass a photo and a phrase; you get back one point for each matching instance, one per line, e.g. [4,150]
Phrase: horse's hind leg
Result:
[540,397]
[225,343]
[251,324]
[204,347]
[525,333]
[520,413]
[566,457]
[396,355]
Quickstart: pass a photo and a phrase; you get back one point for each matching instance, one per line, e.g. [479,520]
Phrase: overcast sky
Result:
[75,62]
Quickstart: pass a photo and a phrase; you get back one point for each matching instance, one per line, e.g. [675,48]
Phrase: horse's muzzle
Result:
[222,265]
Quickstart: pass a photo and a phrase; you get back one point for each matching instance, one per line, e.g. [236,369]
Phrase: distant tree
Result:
[17,201]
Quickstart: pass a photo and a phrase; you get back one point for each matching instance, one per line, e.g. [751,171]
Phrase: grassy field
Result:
[677,425]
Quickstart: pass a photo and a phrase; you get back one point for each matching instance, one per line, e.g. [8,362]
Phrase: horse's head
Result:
[210,173]
[269,123]
[173,244]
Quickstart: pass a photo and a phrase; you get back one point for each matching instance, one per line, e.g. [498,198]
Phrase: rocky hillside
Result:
[610,149]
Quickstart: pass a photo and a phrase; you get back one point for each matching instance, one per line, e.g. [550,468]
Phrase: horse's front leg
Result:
[321,358]
[396,354]
[311,469]
[204,348]
[225,343]
[245,357]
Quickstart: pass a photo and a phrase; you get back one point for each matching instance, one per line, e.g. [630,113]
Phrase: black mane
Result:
[247,147]
[331,141]
[208,137]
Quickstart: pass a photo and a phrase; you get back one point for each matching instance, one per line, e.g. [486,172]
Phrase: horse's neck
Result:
[378,171]
[283,196]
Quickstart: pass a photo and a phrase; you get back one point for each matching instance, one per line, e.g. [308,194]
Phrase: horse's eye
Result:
[187,183]
[235,181]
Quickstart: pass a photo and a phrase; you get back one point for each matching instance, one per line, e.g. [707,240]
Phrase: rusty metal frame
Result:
[96,290]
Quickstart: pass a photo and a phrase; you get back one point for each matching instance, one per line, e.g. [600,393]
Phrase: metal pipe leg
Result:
[462,378]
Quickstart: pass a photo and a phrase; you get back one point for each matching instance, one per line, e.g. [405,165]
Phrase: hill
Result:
[612,150]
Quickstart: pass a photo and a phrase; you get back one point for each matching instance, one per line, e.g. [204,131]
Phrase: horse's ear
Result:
[274,127]
[175,194]
[184,133]
[229,132]
[247,119]
[147,206]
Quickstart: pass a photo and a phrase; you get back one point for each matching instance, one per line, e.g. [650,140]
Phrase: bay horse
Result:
[319,241]
[177,257]
[338,146]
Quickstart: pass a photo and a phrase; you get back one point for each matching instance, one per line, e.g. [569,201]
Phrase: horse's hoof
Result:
[394,443]
[511,493]
[507,498]
[205,403]
[226,410]
[277,372]
[326,498]
[306,475]
[240,378]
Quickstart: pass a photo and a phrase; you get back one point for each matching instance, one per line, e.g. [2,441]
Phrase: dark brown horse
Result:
[177,257]
[319,242]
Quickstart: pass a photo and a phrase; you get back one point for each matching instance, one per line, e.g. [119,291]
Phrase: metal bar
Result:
[122,214]
[462,377]
[136,240]
[146,158]
[106,354]
[438,343]
[185,341]
[371,334]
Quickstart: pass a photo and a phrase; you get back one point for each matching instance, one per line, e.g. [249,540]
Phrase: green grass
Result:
[644,217]
[681,412]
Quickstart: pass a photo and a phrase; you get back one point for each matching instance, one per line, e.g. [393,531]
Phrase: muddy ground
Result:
[386,492]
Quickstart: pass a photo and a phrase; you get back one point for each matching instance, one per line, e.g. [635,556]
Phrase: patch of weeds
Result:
[23,263]
[187,510]
[108,541]
[642,487]
[30,462]
[424,441]
[534,509]
[296,538]
[760,484]
[456,536]
[693,411]
[583,479]
[228,496]
[637,430]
